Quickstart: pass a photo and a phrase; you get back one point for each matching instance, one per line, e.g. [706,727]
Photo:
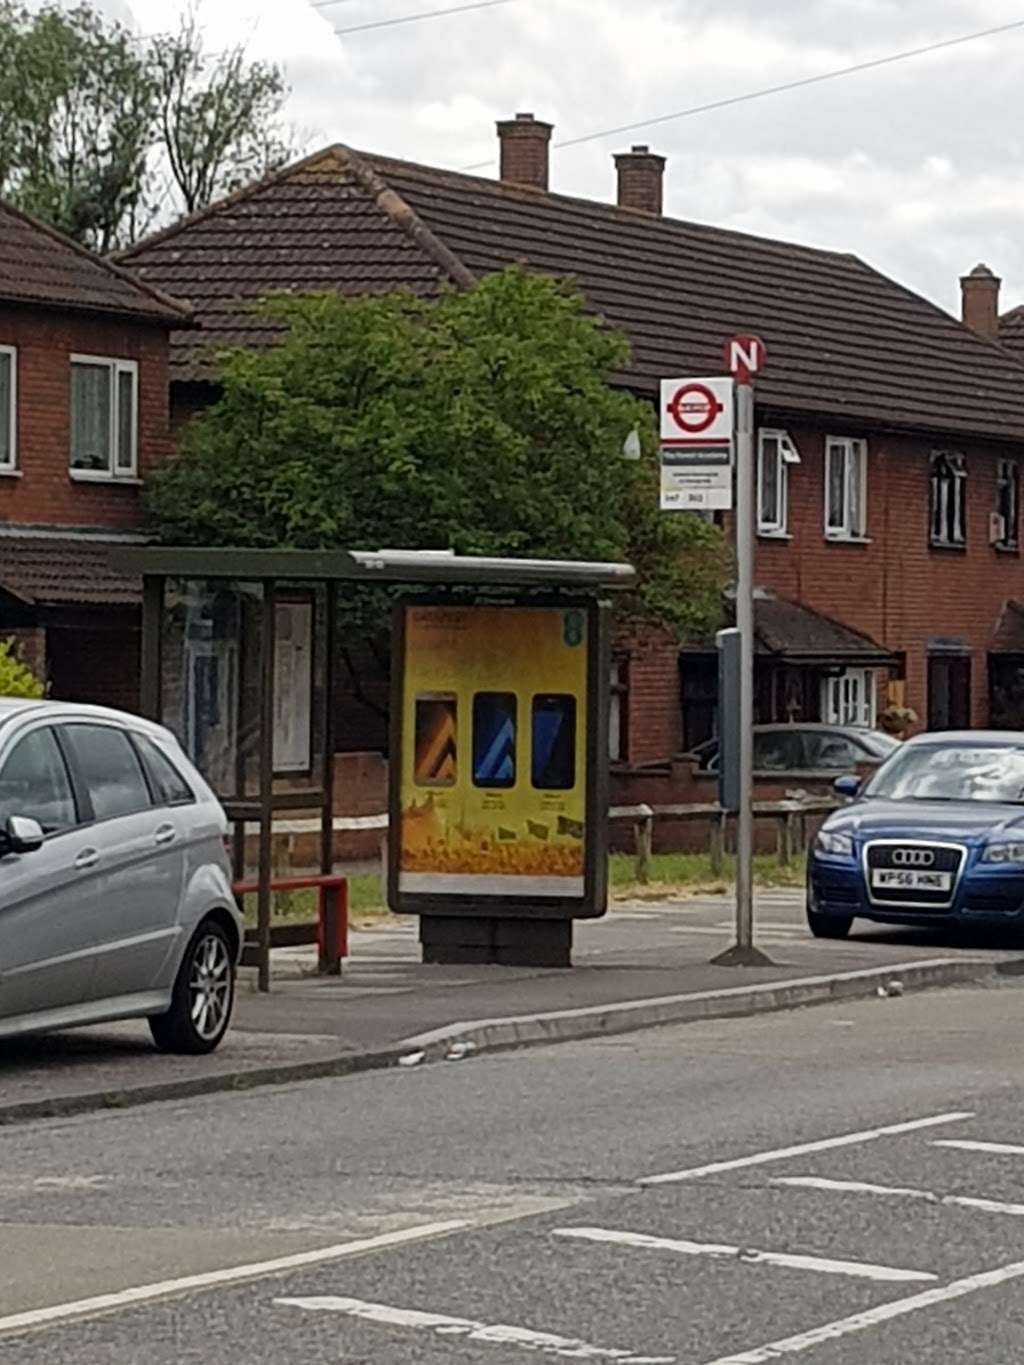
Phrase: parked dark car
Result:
[935,836]
[808,748]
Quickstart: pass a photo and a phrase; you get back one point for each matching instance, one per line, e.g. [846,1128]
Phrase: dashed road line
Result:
[748,1255]
[873,1317]
[497,1334]
[996,1148]
[962,1201]
[804,1148]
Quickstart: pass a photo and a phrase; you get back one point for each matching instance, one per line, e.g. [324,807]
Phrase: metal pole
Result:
[745,625]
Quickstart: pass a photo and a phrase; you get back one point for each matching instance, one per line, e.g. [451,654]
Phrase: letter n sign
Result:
[745,356]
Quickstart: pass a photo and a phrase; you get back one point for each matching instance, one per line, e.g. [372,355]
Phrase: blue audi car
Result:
[935,835]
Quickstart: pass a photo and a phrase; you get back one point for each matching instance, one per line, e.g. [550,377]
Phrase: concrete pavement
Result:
[837,1185]
[647,962]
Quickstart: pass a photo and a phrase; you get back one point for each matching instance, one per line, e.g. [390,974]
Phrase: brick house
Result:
[83,416]
[889,433]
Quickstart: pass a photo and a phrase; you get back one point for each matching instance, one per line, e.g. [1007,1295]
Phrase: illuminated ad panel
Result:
[495,757]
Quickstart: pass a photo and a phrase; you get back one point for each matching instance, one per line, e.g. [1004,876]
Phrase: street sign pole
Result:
[745,356]
[745,625]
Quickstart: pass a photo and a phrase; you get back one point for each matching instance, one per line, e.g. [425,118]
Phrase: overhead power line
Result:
[776,89]
[413,18]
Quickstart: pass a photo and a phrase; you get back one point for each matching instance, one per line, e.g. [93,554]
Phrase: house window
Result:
[846,477]
[104,418]
[617,730]
[1007,509]
[849,698]
[775,451]
[8,408]
[948,499]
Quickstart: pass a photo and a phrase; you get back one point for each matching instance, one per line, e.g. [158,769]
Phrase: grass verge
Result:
[670,874]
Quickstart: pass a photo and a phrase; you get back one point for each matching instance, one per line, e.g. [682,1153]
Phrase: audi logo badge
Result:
[913,857]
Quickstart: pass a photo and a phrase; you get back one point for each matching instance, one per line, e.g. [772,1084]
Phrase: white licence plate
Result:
[896,878]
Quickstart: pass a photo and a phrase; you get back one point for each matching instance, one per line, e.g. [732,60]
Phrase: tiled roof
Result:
[1008,636]
[39,266]
[44,571]
[1011,332]
[842,339]
[801,635]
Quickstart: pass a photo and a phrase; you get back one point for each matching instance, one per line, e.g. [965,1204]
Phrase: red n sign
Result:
[745,356]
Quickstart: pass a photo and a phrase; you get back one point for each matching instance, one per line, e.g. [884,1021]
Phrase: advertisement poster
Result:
[493,759]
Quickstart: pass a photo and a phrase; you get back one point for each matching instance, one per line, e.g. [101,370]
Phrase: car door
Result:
[48,898]
[141,861]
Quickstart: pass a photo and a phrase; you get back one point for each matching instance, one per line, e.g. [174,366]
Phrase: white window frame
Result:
[1008,477]
[957,465]
[851,450]
[787,454]
[850,698]
[10,464]
[113,472]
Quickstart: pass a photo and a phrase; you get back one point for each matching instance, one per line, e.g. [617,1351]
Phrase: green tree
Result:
[102,131]
[16,680]
[480,422]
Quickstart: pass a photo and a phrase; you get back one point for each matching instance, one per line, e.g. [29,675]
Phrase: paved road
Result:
[837,1185]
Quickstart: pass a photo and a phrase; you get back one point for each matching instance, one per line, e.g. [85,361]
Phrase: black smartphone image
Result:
[553,752]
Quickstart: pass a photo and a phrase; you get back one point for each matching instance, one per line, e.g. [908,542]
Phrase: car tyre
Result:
[204,993]
[828,926]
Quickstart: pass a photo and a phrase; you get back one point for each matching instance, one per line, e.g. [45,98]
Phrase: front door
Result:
[141,858]
[949,692]
[48,899]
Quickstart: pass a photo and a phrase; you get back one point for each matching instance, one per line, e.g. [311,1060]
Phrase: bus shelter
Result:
[238,660]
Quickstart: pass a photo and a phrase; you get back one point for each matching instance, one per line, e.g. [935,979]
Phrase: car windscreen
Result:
[954,772]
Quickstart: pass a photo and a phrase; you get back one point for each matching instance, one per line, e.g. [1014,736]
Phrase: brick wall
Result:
[44,493]
[653,716]
[896,588]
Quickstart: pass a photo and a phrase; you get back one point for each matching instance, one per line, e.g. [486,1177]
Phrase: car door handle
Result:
[166,834]
[88,857]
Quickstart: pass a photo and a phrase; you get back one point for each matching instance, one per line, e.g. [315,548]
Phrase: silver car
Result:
[115,887]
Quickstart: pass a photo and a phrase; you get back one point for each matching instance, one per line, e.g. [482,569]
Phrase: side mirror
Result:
[21,835]
[847,785]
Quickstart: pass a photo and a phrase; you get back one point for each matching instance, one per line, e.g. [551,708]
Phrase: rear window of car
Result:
[169,787]
[111,770]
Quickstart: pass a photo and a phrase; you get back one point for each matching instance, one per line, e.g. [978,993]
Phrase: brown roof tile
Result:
[1011,332]
[39,266]
[48,572]
[842,339]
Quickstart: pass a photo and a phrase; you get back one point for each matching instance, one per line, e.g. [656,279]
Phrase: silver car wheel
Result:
[210,986]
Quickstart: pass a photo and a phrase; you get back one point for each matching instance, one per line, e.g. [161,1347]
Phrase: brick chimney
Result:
[524,151]
[641,180]
[979,292]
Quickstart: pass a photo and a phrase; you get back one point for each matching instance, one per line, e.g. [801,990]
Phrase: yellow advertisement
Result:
[493,761]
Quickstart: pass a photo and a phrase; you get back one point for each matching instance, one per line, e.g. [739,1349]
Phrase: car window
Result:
[169,787]
[778,751]
[110,769]
[34,783]
[831,751]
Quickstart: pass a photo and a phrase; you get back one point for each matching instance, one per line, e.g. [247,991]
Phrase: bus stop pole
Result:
[745,626]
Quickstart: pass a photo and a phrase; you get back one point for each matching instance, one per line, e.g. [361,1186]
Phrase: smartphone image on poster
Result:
[494,740]
[553,754]
[435,762]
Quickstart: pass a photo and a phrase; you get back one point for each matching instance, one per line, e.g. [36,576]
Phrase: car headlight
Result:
[1004,853]
[830,842]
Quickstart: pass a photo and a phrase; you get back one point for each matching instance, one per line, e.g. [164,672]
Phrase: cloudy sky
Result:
[917,167]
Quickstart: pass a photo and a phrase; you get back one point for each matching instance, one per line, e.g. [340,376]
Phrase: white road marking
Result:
[963,1201]
[747,1255]
[873,1317]
[999,1148]
[498,1334]
[784,1153]
[212,1279]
